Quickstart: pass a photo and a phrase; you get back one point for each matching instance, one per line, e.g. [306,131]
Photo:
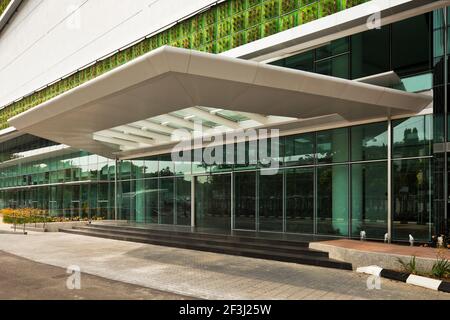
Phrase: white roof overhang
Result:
[169,79]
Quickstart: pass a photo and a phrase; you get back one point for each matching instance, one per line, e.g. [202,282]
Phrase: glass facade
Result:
[376,51]
[331,182]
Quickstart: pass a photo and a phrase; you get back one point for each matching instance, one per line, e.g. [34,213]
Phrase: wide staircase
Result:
[246,246]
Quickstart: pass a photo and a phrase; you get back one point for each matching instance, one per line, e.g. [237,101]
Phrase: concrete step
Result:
[300,258]
[226,242]
[197,234]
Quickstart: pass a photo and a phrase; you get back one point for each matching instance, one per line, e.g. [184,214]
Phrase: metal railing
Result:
[21,222]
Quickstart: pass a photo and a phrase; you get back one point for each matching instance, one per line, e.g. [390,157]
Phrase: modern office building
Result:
[346,100]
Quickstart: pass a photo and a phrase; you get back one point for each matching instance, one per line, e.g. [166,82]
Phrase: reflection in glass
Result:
[332,145]
[369,199]
[166,200]
[213,201]
[369,141]
[151,201]
[271,202]
[332,200]
[183,200]
[245,200]
[412,199]
[412,137]
[300,200]
[299,149]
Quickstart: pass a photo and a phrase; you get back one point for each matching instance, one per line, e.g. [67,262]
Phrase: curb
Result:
[424,282]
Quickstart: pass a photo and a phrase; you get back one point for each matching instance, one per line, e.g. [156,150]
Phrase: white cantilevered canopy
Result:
[139,104]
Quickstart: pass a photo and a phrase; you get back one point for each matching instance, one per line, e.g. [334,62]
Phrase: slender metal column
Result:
[193,202]
[115,191]
[446,195]
[389,180]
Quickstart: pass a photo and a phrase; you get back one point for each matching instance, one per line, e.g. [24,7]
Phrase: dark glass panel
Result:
[369,141]
[336,67]
[183,200]
[332,145]
[412,137]
[271,202]
[334,48]
[166,200]
[300,200]
[245,200]
[299,149]
[304,61]
[213,201]
[370,52]
[332,200]
[411,41]
[412,199]
[369,199]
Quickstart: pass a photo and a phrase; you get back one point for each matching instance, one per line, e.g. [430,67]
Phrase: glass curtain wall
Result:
[377,51]
[331,182]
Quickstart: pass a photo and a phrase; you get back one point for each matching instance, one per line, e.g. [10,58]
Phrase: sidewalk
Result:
[201,274]
[364,253]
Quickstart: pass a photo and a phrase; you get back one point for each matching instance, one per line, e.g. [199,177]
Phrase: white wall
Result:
[47,39]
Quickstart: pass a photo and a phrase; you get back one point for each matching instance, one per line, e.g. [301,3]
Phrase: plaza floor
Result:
[200,274]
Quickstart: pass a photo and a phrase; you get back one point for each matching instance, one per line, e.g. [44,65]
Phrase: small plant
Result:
[409,267]
[441,268]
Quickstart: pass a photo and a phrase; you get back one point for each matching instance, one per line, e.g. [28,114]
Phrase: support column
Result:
[116,214]
[389,180]
[339,176]
[193,202]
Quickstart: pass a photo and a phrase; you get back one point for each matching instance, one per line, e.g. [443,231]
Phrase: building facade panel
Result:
[371,175]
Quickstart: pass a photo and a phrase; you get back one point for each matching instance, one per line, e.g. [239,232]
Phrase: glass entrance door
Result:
[213,201]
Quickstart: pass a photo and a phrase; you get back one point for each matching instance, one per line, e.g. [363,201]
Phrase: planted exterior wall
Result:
[222,27]
[3,5]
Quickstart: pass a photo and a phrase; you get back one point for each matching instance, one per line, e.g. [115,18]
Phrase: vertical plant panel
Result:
[271,9]
[309,13]
[224,26]
[327,7]
[289,21]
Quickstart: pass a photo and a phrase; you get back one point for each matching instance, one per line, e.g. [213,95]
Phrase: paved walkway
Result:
[27,280]
[200,274]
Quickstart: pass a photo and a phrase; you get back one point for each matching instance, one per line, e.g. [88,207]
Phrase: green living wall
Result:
[3,5]
[220,28]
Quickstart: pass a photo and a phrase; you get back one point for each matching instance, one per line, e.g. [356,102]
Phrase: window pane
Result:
[151,201]
[336,67]
[332,200]
[411,45]
[334,48]
[369,142]
[245,200]
[166,166]
[369,199]
[412,199]
[412,137]
[166,200]
[271,202]
[300,200]
[183,198]
[299,149]
[151,167]
[304,61]
[332,145]
[370,53]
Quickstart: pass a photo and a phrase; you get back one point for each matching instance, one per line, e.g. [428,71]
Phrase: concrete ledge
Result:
[360,258]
